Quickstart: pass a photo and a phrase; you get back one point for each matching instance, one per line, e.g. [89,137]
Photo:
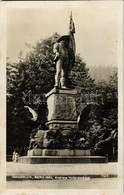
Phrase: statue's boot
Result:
[63,85]
[57,81]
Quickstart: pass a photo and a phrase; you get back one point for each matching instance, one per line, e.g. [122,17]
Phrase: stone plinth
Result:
[61,109]
[58,152]
[62,159]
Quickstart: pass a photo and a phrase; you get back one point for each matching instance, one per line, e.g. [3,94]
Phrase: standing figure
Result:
[64,50]
[62,60]
[15,156]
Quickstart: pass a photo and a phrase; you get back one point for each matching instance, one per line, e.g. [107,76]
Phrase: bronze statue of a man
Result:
[64,50]
[63,60]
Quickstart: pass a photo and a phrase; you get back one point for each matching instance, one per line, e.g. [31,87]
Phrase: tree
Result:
[107,117]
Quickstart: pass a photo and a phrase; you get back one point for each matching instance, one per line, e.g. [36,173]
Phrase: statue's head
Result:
[64,39]
[55,38]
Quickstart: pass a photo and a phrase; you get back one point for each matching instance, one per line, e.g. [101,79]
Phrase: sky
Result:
[96,26]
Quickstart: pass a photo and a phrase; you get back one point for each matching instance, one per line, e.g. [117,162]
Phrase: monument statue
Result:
[63,131]
[64,140]
[64,50]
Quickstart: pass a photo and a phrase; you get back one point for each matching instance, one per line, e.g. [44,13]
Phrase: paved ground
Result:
[61,169]
[84,180]
[110,183]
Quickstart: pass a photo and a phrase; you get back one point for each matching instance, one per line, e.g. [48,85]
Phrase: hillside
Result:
[100,73]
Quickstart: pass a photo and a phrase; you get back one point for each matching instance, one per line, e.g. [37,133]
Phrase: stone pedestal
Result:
[60,144]
[61,109]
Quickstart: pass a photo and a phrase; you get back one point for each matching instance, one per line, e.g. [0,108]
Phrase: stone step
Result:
[62,159]
[58,152]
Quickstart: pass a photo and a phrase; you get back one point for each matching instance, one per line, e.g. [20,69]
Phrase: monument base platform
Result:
[62,159]
[58,152]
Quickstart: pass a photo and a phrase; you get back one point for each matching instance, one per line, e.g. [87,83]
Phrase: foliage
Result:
[104,130]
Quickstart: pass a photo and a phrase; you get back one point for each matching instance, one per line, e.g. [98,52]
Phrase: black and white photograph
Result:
[63,76]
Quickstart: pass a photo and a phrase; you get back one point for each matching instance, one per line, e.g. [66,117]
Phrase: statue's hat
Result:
[64,37]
